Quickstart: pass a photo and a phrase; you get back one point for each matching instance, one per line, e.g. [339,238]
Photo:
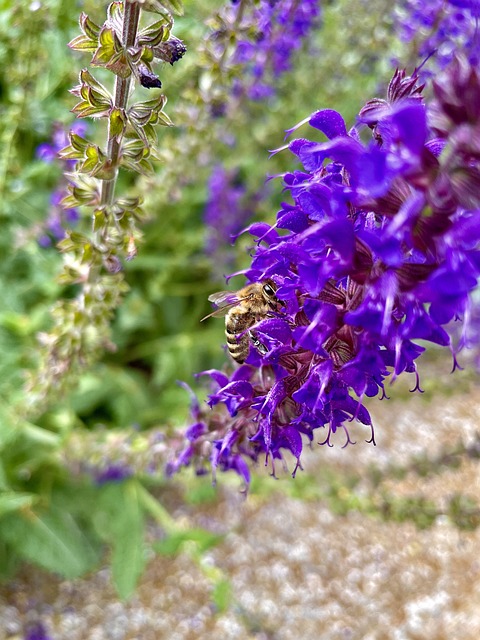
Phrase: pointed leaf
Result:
[124,529]
[87,79]
[51,539]
[160,6]
[89,28]
[69,153]
[82,43]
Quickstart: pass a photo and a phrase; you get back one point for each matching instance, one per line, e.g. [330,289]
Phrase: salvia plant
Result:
[249,47]
[377,250]
[93,260]
[438,29]
[278,30]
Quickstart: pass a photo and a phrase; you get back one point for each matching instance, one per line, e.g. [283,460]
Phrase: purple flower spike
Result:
[280,29]
[440,29]
[378,249]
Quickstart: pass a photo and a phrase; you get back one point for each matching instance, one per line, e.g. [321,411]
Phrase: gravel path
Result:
[297,571]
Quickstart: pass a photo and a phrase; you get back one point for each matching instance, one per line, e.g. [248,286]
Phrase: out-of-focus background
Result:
[182,260]
[366,542]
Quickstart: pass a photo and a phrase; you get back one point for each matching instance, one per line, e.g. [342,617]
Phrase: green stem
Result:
[131,17]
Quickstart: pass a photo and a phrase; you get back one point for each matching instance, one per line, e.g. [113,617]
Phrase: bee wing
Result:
[224,300]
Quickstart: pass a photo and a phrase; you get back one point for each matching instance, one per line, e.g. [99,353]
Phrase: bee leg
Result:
[261,348]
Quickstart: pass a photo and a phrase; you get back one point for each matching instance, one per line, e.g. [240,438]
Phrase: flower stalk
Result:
[94,259]
[131,18]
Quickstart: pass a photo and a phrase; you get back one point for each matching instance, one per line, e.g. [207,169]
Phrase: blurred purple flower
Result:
[380,249]
[281,27]
[37,631]
[441,28]
[46,152]
[58,219]
[227,211]
[113,472]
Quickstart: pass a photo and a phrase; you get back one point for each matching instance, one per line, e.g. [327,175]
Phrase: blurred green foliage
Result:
[157,332]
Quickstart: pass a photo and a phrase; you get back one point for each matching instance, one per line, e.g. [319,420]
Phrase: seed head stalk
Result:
[131,18]
[94,259]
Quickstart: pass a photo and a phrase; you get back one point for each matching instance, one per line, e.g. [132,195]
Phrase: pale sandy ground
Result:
[297,571]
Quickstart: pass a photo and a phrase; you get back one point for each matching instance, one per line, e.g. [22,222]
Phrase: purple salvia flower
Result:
[224,214]
[380,248]
[281,29]
[227,211]
[46,152]
[440,28]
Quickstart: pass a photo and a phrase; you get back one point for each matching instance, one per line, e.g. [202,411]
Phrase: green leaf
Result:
[117,122]
[164,120]
[83,43]
[69,153]
[94,161]
[115,13]
[222,594]
[84,110]
[51,539]
[99,219]
[172,544]
[89,28]
[79,239]
[77,142]
[87,79]
[87,255]
[160,6]
[15,500]
[70,202]
[122,524]
[153,34]
[106,47]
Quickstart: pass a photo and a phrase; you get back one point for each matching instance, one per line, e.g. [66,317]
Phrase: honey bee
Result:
[243,309]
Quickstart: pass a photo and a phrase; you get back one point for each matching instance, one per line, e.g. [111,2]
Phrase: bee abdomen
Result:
[238,342]
[240,350]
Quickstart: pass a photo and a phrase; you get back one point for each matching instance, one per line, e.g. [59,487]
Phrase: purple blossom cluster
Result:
[440,27]
[378,249]
[281,27]
[227,211]
[224,214]
[58,219]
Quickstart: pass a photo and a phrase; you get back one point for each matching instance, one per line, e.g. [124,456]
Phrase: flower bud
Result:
[170,51]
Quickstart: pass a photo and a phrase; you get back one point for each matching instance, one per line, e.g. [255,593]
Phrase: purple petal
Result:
[329,122]
[290,438]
